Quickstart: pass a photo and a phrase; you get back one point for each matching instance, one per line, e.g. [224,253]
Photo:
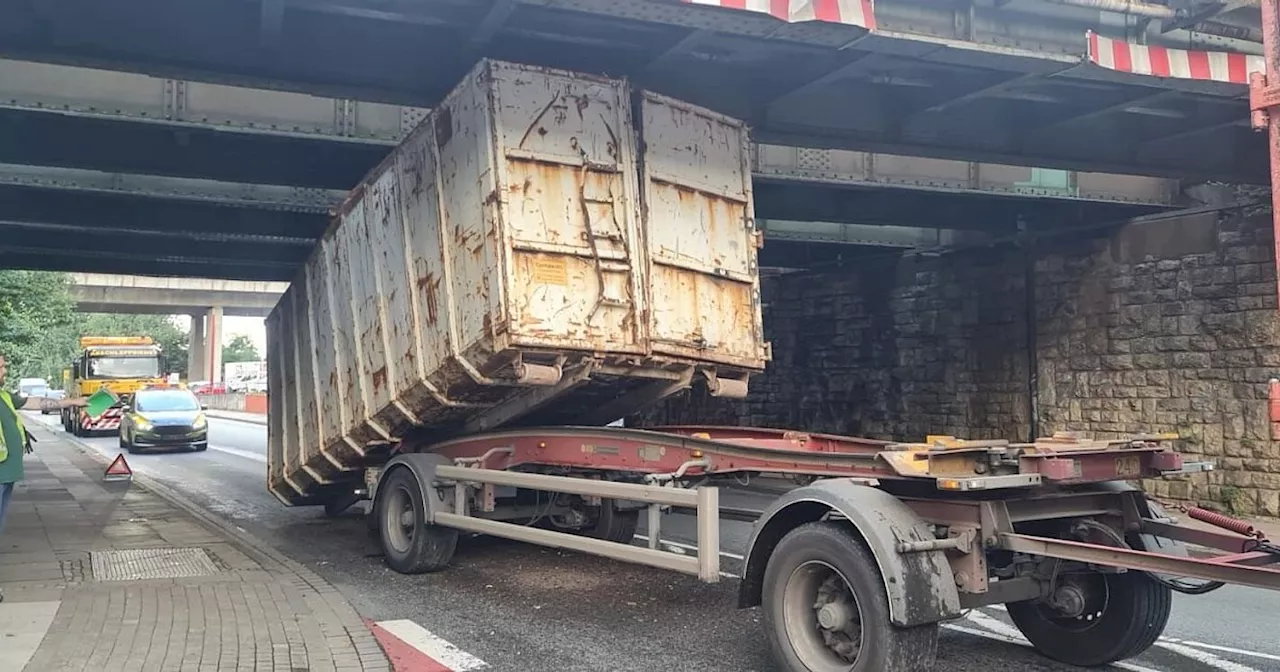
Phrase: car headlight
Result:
[141,423]
[200,422]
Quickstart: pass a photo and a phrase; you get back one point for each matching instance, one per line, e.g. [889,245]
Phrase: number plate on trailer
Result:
[1129,466]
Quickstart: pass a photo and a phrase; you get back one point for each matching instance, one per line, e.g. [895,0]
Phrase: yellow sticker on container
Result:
[550,271]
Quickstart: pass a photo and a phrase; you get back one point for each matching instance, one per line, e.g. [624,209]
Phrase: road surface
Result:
[522,607]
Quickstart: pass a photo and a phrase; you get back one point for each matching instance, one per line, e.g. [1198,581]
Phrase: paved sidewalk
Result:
[241,416]
[125,577]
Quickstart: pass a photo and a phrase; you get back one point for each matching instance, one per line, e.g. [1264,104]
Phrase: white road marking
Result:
[1223,649]
[23,626]
[436,648]
[689,547]
[1206,658]
[995,625]
[247,454]
[1022,641]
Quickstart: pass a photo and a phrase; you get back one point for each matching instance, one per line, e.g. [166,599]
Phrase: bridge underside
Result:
[182,172]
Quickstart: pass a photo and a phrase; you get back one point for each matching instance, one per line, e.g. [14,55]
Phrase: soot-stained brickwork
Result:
[1161,326]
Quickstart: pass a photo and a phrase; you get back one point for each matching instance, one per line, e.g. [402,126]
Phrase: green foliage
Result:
[40,330]
[37,324]
[240,349]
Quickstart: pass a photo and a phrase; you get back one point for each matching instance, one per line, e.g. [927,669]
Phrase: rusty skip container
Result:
[517,260]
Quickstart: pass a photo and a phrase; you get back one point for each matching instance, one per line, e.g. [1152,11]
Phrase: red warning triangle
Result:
[119,468]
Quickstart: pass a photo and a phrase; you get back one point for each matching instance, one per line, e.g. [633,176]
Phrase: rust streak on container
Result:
[379,378]
[429,285]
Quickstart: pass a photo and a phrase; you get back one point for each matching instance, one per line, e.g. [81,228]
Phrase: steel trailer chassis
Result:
[871,548]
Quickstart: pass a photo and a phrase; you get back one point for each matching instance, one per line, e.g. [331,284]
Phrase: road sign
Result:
[118,471]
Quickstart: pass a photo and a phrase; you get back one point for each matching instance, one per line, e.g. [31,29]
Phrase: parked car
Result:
[164,418]
[48,406]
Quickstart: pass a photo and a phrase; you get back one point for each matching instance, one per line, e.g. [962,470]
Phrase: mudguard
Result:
[920,586]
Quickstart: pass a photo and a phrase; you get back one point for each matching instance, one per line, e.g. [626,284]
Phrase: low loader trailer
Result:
[549,251]
[856,569]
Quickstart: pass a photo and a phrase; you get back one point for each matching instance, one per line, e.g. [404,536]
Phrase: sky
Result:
[253,327]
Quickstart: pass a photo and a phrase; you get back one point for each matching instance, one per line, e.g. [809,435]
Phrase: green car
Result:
[164,418]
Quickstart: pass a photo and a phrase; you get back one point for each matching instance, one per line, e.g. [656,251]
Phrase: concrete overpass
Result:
[987,118]
[206,301]
[105,293]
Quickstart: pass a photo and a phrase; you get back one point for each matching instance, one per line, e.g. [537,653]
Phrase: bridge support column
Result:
[196,349]
[204,354]
[213,343]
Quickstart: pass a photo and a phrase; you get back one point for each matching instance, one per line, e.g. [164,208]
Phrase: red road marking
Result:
[404,658]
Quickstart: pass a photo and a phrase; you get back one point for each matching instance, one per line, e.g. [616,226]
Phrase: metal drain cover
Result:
[136,564]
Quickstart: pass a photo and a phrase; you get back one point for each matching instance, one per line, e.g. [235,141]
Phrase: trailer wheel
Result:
[1097,618]
[614,525]
[409,544]
[826,610]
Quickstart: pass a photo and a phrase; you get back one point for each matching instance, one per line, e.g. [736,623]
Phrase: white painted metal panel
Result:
[260,108]
[331,400]
[568,210]
[496,264]
[701,237]
[431,306]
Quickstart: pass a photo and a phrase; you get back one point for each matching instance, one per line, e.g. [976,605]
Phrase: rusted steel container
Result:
[517,260]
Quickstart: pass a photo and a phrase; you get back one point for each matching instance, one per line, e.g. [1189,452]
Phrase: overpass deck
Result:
[194,168]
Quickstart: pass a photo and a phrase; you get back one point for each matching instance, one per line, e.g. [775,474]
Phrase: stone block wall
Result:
[1161,326]
[893,348]
[1169,326]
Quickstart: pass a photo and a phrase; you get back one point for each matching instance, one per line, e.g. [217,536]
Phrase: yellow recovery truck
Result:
[121,365]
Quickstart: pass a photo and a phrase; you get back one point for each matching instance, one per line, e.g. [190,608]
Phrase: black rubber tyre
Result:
[826,561]
[409,545]
[1135,614]
[614,525]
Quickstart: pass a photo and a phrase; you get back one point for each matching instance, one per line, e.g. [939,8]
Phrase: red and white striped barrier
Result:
[849,12]
[109,421]
[1157,61]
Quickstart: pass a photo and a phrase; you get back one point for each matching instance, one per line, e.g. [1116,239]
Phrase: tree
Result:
[173,342]
[240,349]
[37,323]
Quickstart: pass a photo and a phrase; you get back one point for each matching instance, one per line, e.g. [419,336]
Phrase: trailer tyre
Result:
[614,525]
[409,544]
[825,607]
[1121,616]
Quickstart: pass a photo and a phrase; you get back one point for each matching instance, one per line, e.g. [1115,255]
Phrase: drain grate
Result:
[151,563]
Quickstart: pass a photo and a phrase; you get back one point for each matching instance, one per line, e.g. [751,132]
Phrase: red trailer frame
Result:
[941,526]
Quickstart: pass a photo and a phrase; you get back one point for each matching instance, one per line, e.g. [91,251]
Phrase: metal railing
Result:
[704,500]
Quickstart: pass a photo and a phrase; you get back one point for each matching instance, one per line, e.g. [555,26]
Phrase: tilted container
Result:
[517,260]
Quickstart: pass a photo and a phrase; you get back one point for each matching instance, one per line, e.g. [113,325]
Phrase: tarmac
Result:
[126,576]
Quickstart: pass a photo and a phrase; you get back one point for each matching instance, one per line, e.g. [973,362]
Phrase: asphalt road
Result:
[527,608]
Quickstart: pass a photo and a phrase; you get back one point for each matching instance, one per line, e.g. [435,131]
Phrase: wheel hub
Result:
[1069,600]
[836,616]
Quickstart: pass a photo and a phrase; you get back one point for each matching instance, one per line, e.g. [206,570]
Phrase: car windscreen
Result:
[124,367]
[175,400]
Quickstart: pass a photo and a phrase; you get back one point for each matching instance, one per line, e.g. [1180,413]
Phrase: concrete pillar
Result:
[213,338]
[196,350]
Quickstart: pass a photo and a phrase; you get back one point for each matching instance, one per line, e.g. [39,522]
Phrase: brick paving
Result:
[257,611]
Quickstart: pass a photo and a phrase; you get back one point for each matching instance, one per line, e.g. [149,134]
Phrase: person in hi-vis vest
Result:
[14,439]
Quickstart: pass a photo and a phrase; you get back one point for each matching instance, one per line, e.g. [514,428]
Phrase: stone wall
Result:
[891,349]
[1161,326]
[1169,326]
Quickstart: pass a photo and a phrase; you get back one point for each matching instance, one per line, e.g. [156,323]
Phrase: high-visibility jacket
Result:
[22,430]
